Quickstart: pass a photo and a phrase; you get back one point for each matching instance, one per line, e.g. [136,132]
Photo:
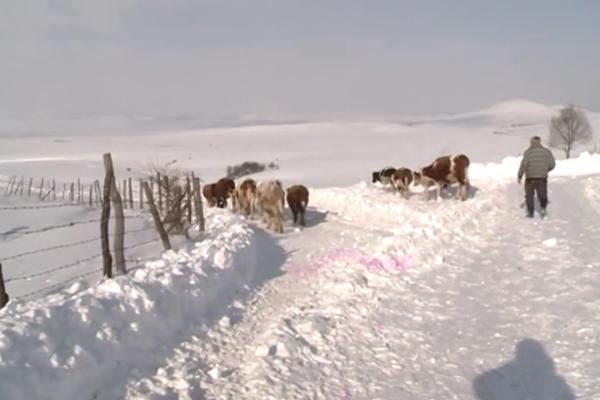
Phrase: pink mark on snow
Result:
[381,262]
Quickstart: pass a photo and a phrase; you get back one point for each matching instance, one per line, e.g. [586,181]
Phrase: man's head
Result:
[535,141]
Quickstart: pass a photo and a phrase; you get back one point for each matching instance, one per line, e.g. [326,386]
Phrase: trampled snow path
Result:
[479,283]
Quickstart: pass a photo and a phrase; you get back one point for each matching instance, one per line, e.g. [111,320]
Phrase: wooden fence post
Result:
[72,195]
[159,226]
[53,190]
[130,194]
[124,187]
[198,204]
[118,245]
[41,189]
[99,192]
[9,189]
[141,195]
[30,185]
[160,192]
[8,186]
[3,295]
[21,185]
[106,257]
[188,202]
[78,191]
[168,199]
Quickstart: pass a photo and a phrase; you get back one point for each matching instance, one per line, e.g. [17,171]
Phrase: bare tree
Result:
[172,187]
[569,127]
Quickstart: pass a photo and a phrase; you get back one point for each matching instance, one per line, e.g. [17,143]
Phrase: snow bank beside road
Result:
[86,343]
[585,164]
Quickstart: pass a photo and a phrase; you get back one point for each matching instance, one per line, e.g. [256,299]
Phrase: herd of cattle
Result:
[269,197]
[442,172]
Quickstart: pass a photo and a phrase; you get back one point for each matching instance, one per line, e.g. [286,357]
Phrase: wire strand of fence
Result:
[74,263]
[46,249]
[49,271]
[44,206]
[68,245]
[137,261]
[65,225]
[56,285]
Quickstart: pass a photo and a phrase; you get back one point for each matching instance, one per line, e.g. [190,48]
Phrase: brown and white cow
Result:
[401,179]
[297,199]
[208,191]
[445,171]
[270,198]
[244,196]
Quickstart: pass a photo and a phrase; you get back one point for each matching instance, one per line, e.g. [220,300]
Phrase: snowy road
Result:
[480,283]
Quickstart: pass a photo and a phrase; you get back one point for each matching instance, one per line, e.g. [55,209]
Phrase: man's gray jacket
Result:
[537,162]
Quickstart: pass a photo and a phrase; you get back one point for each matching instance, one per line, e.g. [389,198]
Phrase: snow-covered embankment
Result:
[86,343]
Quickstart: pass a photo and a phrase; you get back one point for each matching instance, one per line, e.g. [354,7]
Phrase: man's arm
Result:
[522,167]
[552,161]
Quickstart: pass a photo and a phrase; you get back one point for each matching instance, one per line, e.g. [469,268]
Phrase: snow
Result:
[88,340]
[377,297]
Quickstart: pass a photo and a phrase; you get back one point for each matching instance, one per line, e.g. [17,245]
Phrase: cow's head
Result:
[376,177]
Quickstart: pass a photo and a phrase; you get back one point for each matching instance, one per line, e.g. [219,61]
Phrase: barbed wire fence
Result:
[174,199]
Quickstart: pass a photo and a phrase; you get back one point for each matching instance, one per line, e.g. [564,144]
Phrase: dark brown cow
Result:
[444,171]
[297,199]
[402,179]
[208,191]
[224,189]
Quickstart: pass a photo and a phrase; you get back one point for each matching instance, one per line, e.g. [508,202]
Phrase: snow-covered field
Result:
[377,298]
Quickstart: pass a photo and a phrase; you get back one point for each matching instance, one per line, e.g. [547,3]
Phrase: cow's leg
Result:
[462,190]
[295,215]
[302,211]
[439,187]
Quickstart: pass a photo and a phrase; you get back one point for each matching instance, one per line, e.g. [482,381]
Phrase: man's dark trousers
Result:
[536,186]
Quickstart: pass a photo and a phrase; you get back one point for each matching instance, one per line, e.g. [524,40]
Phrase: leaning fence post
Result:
[159,226]
[118,245]
[106,257]
[3,295]
[41,189]
[198,204]
[30,185]
[20,187]
[99,192]
[141,195]
[160,192]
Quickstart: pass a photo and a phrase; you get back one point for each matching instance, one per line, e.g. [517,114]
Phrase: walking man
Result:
[536,163]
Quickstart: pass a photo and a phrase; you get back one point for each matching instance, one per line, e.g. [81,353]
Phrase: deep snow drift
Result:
[87,341]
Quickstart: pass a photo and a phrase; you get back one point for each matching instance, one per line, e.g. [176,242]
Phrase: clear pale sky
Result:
[285,57]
